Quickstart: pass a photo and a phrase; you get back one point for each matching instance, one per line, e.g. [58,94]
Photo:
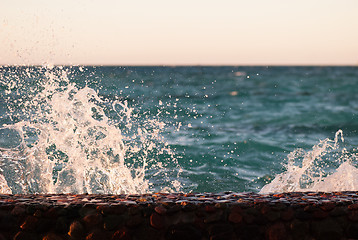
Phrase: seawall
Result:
[225,215]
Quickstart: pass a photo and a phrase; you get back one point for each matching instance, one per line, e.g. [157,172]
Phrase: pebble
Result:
[226,215]
[29,223]
[276,231]
[92,220]
[18,210]
[122,234]
[160,210]
[157,221]
[288,214]
[134,221]
[235,217]
[96,235]
[52,236]
[183,231]
[76,230]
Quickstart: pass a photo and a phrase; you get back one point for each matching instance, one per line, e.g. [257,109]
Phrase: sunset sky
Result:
[186,32]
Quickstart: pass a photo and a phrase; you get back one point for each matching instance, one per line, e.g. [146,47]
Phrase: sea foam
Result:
[328,167]
[62,138]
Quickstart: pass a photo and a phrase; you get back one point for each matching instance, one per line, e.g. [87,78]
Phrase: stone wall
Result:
[180,216]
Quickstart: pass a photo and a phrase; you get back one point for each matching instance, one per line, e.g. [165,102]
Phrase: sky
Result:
[185,32]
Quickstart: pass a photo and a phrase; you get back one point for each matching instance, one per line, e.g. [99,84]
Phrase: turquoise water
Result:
[227,128]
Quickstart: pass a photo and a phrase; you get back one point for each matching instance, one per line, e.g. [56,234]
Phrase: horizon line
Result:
[178,65]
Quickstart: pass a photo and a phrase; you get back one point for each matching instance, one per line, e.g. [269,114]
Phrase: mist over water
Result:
[193,129]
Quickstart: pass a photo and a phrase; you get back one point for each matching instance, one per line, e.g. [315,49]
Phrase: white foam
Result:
[4,188]
[69,145]
[326,168]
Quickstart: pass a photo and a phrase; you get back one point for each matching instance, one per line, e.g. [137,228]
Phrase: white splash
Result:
[4,188]
[326,168]
[68,144]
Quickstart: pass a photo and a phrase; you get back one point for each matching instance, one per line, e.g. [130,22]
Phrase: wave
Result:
[328,167]
[59,138]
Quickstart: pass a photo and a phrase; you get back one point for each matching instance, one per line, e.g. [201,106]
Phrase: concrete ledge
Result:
[180,216]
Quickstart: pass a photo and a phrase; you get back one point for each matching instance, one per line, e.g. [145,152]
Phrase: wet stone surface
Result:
[172,216]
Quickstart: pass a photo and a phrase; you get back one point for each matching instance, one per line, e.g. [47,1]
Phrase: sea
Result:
[144,129]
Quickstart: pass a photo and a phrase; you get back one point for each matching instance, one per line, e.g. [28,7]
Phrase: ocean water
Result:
[77,129]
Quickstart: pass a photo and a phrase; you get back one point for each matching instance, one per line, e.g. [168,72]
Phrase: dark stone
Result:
[113,209]
[288,214]
[183,231]
[189,207]
[134,221]
[122,234]
[222,236]
[302,215]
[147,211]
[221,231]
[353,206]
[249,232]
[249,219]
[353,215]
[147,233]
[30,210]
[18,210]
[276,232]
[77,230]
[235,217]
[61,211]
[111,222]
[2,237]
[262,220]
[265,209]
[352,231]
[92,220]
[272,215]
[214,216]
[210,209]
[174,219]
[62,224]
[327,229]
[73,211]
[236,209]
[205,216]
[310,209]
[299,229]
[7,222]
[221,205]
[52,236]
[187,217]
[160,210]
[328,206]
[338,211]
[173,209]
[134,210]
[320,214]
[51,213]
[252,211]
[96,235]
[45,225]
[104,209]
[38,213]
[84,211]
[23,235]
[157,221]
[279,207]
[29,223]
[119,209]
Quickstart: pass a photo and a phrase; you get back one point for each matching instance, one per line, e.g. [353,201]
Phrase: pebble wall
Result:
[225,215]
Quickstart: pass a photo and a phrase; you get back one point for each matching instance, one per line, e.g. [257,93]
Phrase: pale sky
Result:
[185,32]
